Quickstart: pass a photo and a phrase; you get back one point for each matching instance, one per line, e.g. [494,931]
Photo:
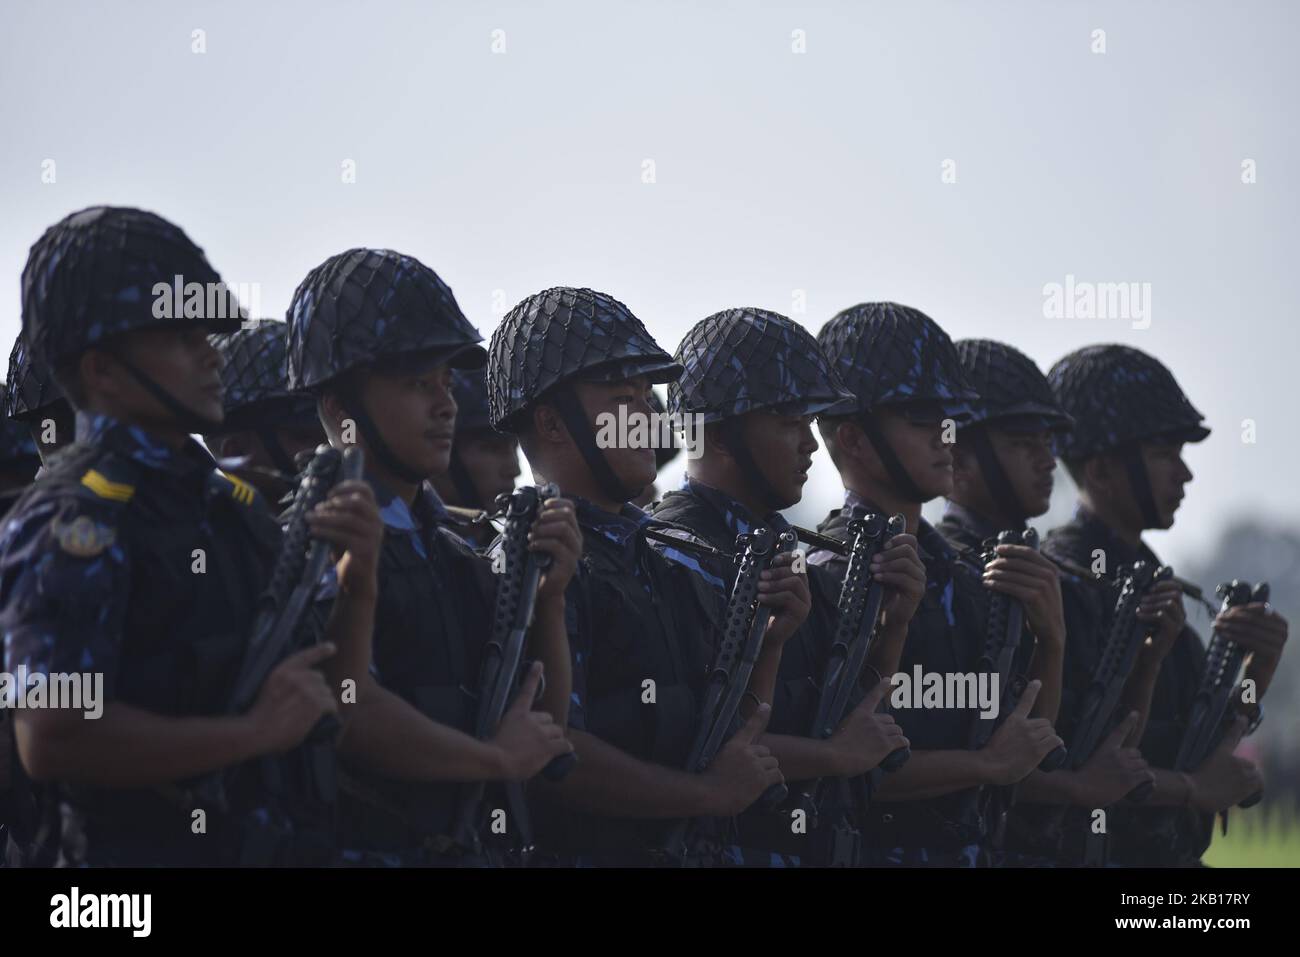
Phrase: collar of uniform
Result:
[427,509]
[1097,534]
[976,524]
[738,518]
[619,528]
[135,443]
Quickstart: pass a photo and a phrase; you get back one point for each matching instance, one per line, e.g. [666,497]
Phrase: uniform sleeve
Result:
[64,585]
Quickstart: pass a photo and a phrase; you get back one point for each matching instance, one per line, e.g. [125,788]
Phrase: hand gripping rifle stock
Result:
[1211,709]
[1119,652]
[1005,628]
[742,640]
[857,622]
[503,658]
[295,577]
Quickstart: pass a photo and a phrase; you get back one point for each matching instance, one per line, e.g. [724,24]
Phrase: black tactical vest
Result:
[955,820]
[1139,836]
[432,620]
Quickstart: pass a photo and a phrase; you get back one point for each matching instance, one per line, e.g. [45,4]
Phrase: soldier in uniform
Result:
[35,399]
[893,456]
[266,427]
[136,561]
[758,379]
[484,463]
[375,336]
[562,363]
[1125,455]
[1003,462]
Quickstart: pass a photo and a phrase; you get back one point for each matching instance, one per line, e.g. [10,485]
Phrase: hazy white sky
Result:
[775,171]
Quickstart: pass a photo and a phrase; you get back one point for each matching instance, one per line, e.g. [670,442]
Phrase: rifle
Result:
[859,617]
[859,607]
[742,639]
[1005,628]
[1208,716]
[284,604]
[503,658]
[1097,710]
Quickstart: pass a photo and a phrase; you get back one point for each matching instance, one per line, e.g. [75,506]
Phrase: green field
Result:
[1263,841]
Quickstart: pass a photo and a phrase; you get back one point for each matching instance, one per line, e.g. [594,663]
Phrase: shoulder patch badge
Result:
[83,537]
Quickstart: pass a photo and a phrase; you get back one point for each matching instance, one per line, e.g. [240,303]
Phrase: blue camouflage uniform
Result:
[97,575]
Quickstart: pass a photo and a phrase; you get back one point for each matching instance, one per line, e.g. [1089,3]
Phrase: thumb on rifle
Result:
[310,656]
[1122,730]
[1236,731]
[1028,698]
[528,690]
[756,724]
[876,694]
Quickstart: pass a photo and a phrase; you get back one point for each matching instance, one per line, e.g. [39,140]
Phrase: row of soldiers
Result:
[98,574]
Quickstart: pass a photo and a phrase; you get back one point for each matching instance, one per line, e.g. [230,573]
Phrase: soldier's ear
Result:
[330,410]
[1100,473]
[850,441]
[548,427]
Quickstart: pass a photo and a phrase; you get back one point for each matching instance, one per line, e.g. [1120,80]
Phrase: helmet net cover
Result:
[889,354]
[744,360]
[1012,390]
[367,305]
[1117,396]
[254,379]
[92,276]
[564,334]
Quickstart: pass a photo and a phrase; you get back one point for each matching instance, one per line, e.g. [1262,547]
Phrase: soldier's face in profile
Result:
[634,467]
[920,447]
[492,461]
[782,447]
[1169,475]
[183,362]
[416,415]
[1029,461]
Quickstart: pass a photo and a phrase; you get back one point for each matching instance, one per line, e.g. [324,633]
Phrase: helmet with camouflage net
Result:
[368,305]
[1119,395]
[109,270]
[17,447]
[252,374]
[469,388]
[1012,390]
[32,392]
[560,335]
[745,360]
[887,354]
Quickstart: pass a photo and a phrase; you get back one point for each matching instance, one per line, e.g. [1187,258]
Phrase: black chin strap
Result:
[902,481]
[995,476]
[575,420]
[185,417]
[375,443]
[462,481]
[1140,482]
[733,434]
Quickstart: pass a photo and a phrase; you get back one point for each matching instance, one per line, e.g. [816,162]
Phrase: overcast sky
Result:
[782,179]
